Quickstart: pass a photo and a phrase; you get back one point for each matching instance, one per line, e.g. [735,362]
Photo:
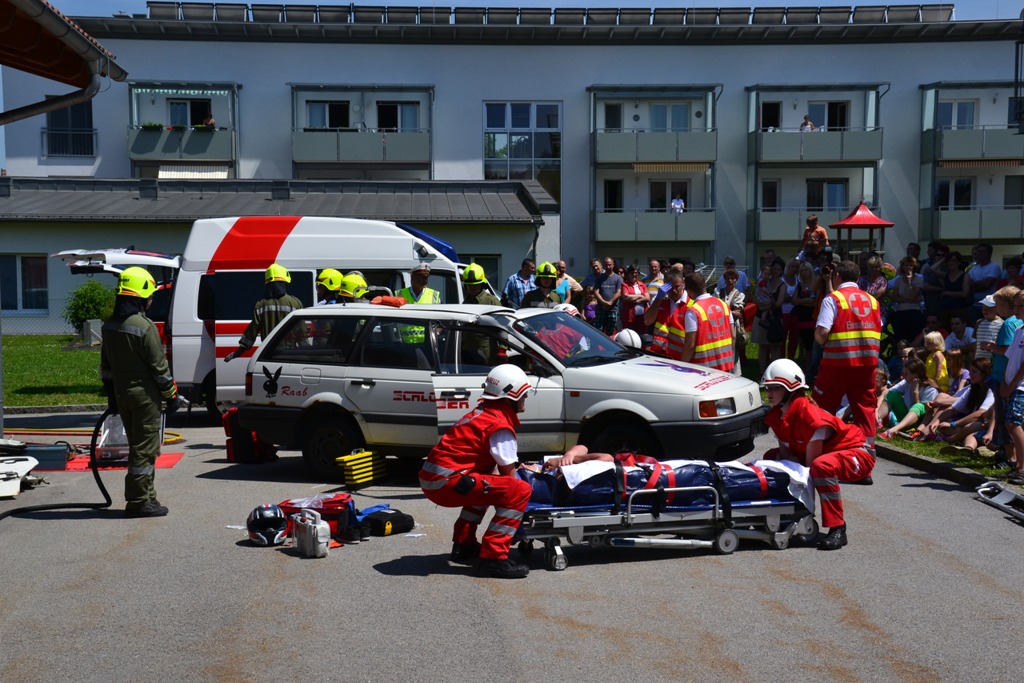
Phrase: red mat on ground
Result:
[80,463]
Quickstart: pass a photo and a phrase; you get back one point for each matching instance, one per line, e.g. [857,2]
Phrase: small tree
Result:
[92,300]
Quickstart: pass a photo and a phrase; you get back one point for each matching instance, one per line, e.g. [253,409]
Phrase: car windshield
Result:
[569,339]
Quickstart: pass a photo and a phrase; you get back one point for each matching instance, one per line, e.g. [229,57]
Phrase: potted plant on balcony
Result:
[152,125]
[178,127]
[202,127]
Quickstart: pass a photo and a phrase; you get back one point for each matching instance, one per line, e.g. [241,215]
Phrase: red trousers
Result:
[828,469]
[858,385]
[508,495]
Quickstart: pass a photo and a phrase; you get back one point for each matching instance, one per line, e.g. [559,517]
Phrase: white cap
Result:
[989,301]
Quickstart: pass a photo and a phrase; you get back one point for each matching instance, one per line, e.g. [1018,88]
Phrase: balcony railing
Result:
[63,142]
[199,144]
[980,223]
[978,142]
[787,225]
[360,146]
[627,146]
[639,225]
[789,145]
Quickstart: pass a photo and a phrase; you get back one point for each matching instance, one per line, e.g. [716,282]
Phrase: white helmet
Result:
[568,308]
[786,374]
[506,381]
[629,338]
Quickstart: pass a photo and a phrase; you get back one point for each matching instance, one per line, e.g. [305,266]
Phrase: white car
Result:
[335,378]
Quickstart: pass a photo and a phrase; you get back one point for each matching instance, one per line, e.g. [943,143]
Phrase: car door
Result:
[467,356]
[389,381]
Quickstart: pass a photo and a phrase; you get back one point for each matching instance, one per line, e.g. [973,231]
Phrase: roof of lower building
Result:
[89,200]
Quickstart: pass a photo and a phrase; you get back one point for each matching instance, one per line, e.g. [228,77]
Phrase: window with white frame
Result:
[824,194]
[952,194]
[327,114]
[188,112]
[955,114]
[523,140]
[23,283]
[398,117]
[673,117]
[830,115]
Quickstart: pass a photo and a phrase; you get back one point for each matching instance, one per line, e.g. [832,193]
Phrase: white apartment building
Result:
[545,133]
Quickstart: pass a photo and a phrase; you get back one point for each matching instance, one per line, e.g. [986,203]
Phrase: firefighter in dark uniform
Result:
[476,287]
[135,373]
[268,311]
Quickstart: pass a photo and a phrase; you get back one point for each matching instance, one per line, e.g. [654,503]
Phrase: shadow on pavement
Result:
[925,480]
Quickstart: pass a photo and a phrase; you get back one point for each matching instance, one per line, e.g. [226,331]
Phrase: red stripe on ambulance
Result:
[252,242]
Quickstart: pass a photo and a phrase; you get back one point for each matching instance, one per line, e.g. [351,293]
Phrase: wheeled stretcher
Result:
[711,505]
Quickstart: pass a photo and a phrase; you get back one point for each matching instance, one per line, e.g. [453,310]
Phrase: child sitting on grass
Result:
[969,417]
[907,398]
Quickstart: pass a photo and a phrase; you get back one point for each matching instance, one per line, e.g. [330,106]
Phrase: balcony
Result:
[787,146]
[787,225]
[638,145]
[974,143]
[655,226]
[982,223]
[318,145]
[200,144]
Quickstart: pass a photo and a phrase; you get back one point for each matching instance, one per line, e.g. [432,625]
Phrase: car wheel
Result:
[331,437]
[618,438]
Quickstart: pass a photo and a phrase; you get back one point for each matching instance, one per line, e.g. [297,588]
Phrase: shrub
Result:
[92,300]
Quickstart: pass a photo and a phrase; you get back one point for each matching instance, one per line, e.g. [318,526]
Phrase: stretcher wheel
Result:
[780,541]
[525,548]
[807,528]
[554,559]
[726,541]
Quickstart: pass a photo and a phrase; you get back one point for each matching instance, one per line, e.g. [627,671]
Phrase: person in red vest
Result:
[849,329]
[459,472]
[833,450]
[666,315]
[708,325]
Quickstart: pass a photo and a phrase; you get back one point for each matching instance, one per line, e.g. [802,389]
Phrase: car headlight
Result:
[719,408]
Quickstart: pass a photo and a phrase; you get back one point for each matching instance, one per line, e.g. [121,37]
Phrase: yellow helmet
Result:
[330,279]
[546,269]
[277,273]
[474,275]
[353,285]
[135,281]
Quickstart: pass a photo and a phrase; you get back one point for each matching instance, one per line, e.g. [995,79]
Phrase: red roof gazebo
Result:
[861,218]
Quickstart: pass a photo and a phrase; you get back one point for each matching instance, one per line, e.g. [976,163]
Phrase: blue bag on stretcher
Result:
[741,482]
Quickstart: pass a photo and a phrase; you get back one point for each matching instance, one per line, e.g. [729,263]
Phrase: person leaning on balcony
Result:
[807,126]
[209,121]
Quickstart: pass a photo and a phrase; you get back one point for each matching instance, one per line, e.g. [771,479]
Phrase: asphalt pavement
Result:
[928,589]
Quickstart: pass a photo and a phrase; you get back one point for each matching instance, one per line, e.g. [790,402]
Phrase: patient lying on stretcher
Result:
[580,478]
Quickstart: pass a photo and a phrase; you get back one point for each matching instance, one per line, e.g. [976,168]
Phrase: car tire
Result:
[622,437]
[331,437]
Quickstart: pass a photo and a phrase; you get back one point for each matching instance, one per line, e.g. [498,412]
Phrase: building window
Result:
[523,140]
[191,112]
[398,117]
[23,283]
[953,194]
[827,195]
[674,118]
[830,115]
[69,132]
[491,263]
[770,194]
[326,114]
[662,192]
[956,114]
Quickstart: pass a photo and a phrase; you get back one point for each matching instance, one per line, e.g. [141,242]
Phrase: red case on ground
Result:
[334,509]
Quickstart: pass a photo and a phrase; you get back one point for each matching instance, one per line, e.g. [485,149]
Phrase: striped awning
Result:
[192,172]
[670,166]
[981,163]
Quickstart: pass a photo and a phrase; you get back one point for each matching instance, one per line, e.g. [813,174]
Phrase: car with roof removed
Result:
[334,379]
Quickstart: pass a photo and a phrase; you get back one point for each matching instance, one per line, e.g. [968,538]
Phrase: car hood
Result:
[652,374]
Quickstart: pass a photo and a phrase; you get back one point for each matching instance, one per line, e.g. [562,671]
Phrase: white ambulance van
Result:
[222,277]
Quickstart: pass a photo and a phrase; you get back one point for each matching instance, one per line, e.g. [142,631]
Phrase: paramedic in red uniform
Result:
[835,451]
[459,472]
[849,330]
[708,325]
[666,314]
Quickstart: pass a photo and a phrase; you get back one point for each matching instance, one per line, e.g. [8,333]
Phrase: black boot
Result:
[151,508]
[465,553]
[502,569]
[866,481]
[834,539]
